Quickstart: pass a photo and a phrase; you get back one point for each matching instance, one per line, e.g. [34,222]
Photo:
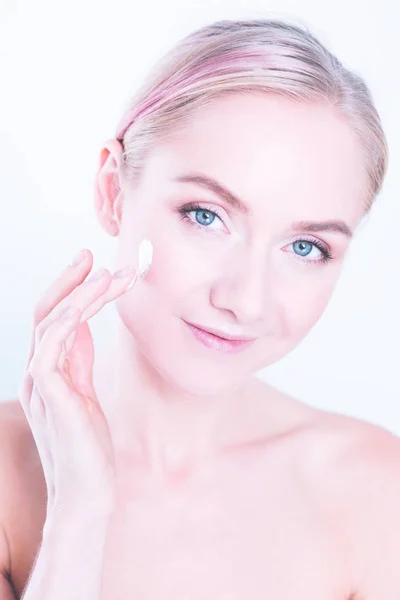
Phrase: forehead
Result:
[267,148]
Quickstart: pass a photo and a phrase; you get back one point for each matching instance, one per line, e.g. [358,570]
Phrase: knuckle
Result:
[43,327]
[25,382]
[39,331]
[39,407]
[32,368]
[38,312]
[35,366]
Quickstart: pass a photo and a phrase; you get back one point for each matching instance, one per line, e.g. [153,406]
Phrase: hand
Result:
[58,397]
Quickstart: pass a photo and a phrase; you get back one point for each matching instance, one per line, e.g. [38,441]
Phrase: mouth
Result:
[217,342]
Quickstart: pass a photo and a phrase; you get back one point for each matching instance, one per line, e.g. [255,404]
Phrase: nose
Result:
[243,290]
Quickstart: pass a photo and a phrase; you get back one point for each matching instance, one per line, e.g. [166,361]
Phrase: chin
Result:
[187,365]
[193,374]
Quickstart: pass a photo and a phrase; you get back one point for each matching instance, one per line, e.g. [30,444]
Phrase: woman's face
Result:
[263,273]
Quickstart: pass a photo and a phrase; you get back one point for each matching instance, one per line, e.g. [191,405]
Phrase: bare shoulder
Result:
[354,467]
[327,439]
[352,447]
[23,500]
[350,442]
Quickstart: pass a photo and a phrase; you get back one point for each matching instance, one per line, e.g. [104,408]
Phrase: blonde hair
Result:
[260,55]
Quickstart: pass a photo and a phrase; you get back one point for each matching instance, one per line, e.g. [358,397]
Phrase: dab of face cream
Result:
[145,256]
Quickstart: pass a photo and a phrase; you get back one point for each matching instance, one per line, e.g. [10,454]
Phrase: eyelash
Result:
[195,206]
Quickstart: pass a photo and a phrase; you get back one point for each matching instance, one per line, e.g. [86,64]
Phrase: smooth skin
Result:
[224,487]
[55,384]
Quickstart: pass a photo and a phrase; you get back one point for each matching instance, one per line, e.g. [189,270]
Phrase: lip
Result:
[216,342]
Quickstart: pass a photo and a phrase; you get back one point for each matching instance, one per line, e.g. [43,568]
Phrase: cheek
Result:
[305,305]
[177,265]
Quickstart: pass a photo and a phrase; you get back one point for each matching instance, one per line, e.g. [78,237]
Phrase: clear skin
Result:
[220,480]
[288,162]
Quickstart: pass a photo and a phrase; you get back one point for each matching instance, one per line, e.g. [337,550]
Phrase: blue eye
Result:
[200,216]
[304,251]
[305,248]
[205,217]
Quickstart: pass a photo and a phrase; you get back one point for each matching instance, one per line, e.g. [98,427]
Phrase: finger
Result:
[78,353]
[89,290]
[118,286]
[38,331]
[79,371]
[80,297]
[71,276]
[120,283]
[52,384]
[49,348]
[84,295]
[57,384]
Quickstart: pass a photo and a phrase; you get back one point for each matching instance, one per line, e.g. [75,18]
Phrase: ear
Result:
[108,193]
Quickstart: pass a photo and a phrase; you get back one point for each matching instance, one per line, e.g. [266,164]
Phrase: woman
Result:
[247,160]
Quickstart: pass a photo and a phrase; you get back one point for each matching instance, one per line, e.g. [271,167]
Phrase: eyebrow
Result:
[335,226]
[215,186]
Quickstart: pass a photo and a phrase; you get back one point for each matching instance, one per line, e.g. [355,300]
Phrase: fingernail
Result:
[78,258]
[124,272]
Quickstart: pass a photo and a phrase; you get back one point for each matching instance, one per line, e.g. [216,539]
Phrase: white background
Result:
[67,70]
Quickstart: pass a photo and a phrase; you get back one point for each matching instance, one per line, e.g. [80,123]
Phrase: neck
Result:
[157,425]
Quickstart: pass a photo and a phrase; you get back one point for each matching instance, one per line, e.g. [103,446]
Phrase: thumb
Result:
[81,359]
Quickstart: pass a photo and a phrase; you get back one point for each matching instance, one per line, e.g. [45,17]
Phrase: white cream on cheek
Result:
[145,256]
